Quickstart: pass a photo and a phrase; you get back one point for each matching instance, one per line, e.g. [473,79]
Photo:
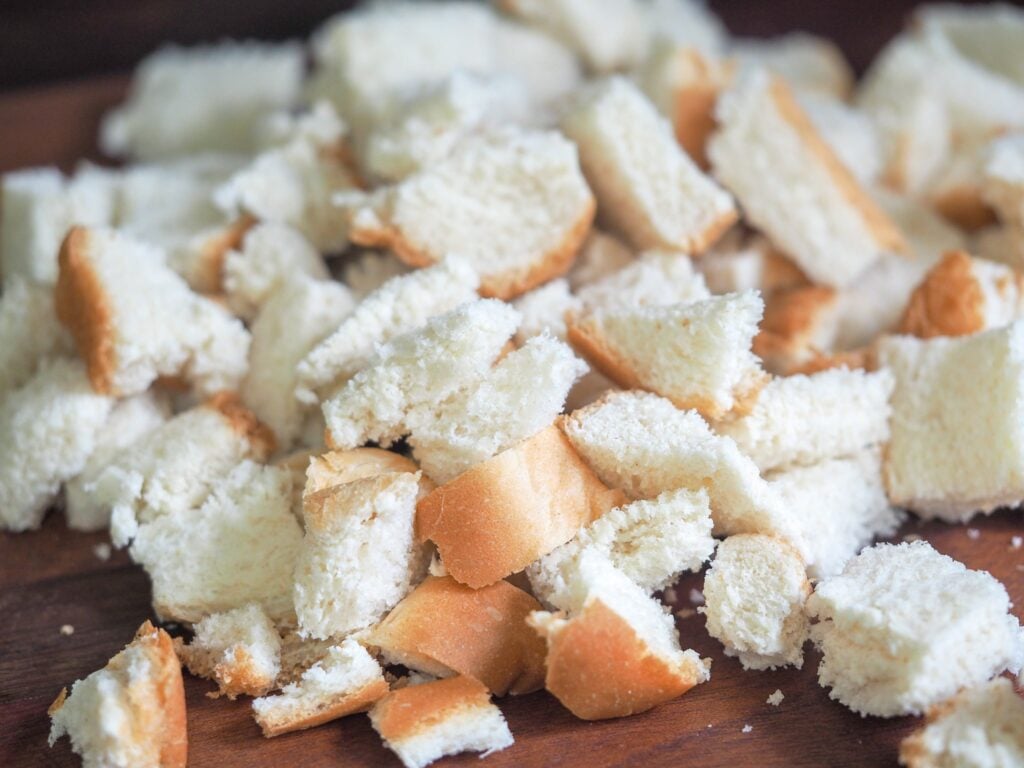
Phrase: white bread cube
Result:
[806,419]
[423,723]
[651,542]
[131,713]
[946,467]
[754,596]
[29,331]
[359,556]
[417,369]
[655,277]
[206,98]
[806,62]
[514,204]
[345,681]
[543,310]
[980,727]
[398,306]
[48,430]
[646,186]
[369,270]
[904,627]
[799,324]
[240,546]
[134,320]
[130,420]
[617,652]
[238,649]
[295,317]
[1003,174]
[848,131]
[792,186]
[601,255]
[697,354]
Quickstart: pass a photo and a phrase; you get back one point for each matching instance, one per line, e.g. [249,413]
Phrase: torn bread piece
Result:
[131,713]
[806,62]
[754,596]
[417,369]
[400,305]
[345,681]
[617,652]
[1003,178]
[649,541]
[240,546]
[533,497]
[799,324]
[980,726]
[525,185]
[359,557]
[339,467]
[206,98]
[423,723]
[238,649]
[134,320]
[698,355]
[646,186]
[444,628]
[939,467]
[792,175]
[654,277]
[905,627]
[29,332]
[601,255]
[48,429]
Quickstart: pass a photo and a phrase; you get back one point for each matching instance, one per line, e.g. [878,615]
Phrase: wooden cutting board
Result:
[53,577]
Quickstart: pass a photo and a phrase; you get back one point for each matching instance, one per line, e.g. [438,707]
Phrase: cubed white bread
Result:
[444,628]
[37,207]
[369,270]
[806,62]
[543,310]
[956,189]
[698,355]
[345,681]
[647,187]
[238,649]
[946,467]
[806,419]
[514,204]
[339,467]
[294,181]
[655,277]
[904,101]
[840,506]
[239,546]
[185,100]
[980,727]
[48,429]
[29,331]
[134,320]
[359,556]
[1003,178]
[417,369]
[617,652]
[600,255]
[423,723]
[905,627]
[296,316]
[268,255]
[799,324]
[792,186]
[172,468]
[521,395]
[741,262]
[534,497]
[130,420]
[651,542]
[400,305]
[848,131]
[131,713]
[754,596]
[644,445]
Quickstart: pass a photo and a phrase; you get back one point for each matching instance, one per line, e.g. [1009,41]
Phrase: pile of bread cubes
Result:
[411,376]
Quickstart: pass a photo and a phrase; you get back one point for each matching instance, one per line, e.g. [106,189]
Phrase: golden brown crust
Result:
[340,467]
[780,273]
[852,359]
[948,302]
[83,307]
[356,701]
[214,250]
[599,668]
[244,422]
[964,206]
[408,711]
[791,320]
[481,633]
[693,113]
[502,514]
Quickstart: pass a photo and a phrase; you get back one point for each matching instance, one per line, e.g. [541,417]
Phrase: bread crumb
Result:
[686,613]
[1016,542]
[102,551]
[709,725]
[776,698]
[669,595]
[748,728]
[911,537]
[696,597]
[973,534]
[67,630]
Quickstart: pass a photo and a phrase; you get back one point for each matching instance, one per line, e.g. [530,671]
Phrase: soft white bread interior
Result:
[600,255]
[849,132]
[345,681]
[807,63]
[647,187]
[423,723]
[754,596]
[29,331]
[130,713]
[543,310]
[905,627]
[654,277]
[48,429]
[239,649]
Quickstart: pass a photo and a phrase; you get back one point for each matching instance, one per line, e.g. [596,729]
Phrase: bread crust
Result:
[340,467]
[693,113]
[407,712]
[502,514]
[964,206]
[852,359]
[790,319]
[244,422]
[357,701]
[948,302]
[234,679]
[481,633]
[214,251]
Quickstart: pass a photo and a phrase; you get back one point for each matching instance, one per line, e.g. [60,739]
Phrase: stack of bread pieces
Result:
[413,379]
